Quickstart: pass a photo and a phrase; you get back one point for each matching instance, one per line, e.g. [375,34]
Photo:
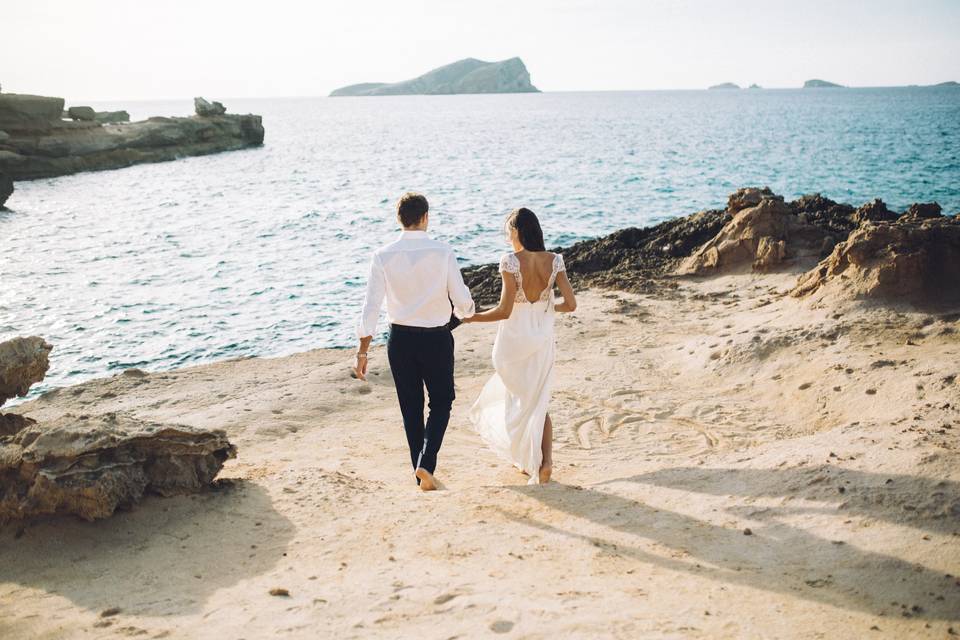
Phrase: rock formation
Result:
[762,235]
[23,362]
[821,84]
[91,465]
[759,231]
[41,144]
[914,259]
[464,76]
[20,112]
[875,211]
[206,109]
[922,211]
[6,188]
[86,114]
[112,117]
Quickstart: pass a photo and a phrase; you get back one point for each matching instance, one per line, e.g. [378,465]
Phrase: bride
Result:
[511,412]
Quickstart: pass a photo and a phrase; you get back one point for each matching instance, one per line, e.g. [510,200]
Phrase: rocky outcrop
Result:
[922,211]
[23,362]
[206,109]
[91,465]
[39,148]
[875,211]
[914,260]
[86,114]
[112,117]
[19,112]
[757,230]
[6,189]
[464,76]
[762,237]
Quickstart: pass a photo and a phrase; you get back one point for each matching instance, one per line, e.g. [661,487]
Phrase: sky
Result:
[109,50]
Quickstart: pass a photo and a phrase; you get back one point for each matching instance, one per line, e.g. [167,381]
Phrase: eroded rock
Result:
[206,109]
[86,114]
[911,260]
[91,466]
[112,117]
[761,237]
[23,362]
[21,112]
[922,211]
[875,211]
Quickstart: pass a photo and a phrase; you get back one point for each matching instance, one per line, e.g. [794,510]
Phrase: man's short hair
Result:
[411,208]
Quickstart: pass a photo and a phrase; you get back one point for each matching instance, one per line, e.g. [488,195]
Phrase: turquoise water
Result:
[263,252]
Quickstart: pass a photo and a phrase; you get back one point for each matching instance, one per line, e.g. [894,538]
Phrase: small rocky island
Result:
[821,84]
[464,76]
[38,139]
[725,85]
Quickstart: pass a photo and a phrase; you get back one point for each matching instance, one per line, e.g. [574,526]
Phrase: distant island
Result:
[725,85]
[949,83]
[755,86]
[464,76]
[821,84]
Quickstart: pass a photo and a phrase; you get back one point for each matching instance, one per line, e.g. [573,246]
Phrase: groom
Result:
[419,278]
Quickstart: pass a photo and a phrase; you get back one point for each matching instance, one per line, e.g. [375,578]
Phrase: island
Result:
[37,142]
[949,83]
[821,84]
[755,86]
[464,76]
[725,85]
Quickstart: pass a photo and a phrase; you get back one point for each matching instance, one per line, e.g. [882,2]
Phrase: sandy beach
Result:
[730,462]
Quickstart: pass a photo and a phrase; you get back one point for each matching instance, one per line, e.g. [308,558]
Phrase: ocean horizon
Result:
[263,252]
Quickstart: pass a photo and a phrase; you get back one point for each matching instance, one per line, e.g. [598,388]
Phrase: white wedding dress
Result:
[511,409]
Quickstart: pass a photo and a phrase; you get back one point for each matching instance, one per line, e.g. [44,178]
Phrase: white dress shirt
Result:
[419,277]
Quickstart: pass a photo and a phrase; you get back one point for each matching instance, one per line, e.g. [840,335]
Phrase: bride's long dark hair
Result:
[528,228]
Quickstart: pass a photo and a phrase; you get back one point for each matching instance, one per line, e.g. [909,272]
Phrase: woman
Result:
[511,412]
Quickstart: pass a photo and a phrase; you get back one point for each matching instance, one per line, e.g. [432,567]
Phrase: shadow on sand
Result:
[777,557]
[165,557]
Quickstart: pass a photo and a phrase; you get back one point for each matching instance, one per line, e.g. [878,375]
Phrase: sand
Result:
[730,462]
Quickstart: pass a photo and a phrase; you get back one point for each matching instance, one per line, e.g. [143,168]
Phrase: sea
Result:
[264,252]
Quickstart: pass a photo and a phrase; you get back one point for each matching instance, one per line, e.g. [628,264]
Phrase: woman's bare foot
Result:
[427,481]
[545,471]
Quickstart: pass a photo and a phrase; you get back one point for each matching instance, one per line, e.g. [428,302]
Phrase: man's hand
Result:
[360,359]
[360,366]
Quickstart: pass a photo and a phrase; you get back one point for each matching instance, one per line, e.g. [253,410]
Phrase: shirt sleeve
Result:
[508,263]
[463,306]
[376,289]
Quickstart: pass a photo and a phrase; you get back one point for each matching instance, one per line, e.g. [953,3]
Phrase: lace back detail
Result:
[509,263]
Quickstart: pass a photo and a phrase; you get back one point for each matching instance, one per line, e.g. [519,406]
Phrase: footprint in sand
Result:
[501,626]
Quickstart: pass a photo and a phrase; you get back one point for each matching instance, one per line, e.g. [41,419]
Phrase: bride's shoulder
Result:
[558,264]
[509,263]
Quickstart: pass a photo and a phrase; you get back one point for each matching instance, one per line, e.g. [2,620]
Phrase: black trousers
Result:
[418,360]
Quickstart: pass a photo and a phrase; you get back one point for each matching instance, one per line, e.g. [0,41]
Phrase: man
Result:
[420,279]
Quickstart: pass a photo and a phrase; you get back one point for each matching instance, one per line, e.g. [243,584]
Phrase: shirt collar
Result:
[408,234]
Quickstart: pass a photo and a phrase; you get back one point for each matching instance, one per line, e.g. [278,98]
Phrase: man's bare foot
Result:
[427,482]
[545,472]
